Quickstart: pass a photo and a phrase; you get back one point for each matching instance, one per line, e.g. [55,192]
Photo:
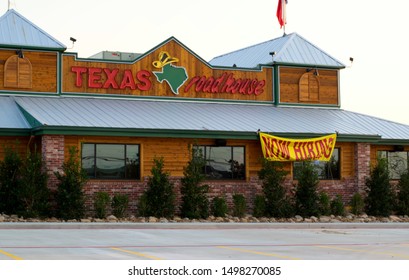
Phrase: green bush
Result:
[143,206]
[101,203]
[159,195]
[70,194]
[259,206]
[324,203]
[219,207]
[277,204]
[195,204]
[379,199]
[10,182]
[403,194]
[119,205]
[23,185]
[239,205]
[337,206]
[306,196]
[357,204]
[33,193]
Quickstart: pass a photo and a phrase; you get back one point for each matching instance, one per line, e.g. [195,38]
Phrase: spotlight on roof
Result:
[73,40]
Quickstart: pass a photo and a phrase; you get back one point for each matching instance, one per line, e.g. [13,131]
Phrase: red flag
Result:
[281,12]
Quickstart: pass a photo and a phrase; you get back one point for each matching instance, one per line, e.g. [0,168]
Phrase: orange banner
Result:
[285,149]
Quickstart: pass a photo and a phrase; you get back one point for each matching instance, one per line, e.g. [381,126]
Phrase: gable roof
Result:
[17,31]
[138,117]
[289,49]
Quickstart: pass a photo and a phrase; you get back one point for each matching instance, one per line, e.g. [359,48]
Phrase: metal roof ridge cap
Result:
[284,47]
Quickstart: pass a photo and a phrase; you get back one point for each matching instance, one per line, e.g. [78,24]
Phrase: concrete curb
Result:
[200,226]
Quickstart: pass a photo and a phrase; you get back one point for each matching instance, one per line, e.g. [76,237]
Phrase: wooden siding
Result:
[174,151]
[193,66]
[19,144]
[290,86]
[176,155]
[43,71]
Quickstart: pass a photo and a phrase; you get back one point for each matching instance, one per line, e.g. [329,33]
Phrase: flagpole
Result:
[285,16]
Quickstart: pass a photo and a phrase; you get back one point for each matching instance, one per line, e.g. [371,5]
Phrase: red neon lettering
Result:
[94,76]
[128,81]
[259,88]
[208,85]
[219,81]
[191,83]
[78,74]
[110,81]
[143,77]
[226,83]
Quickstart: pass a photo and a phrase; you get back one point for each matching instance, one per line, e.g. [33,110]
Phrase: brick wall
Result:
[362,160]
[52,150]
[226,189]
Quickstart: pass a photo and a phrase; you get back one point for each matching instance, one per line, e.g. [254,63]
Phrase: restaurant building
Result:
[121,110]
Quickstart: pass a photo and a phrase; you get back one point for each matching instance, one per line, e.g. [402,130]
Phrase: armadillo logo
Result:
[174,76]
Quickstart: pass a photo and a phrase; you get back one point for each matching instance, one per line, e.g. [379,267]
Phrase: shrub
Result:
[119,205]
[357,204]
[324,204]
[9,181]
[239,205]
[403,194]
[337,206]
[259,206]
[219,207]
[194,193]
[160,196]
[101,204]
[379,200]
[306,196]
[143,206]
[33,193]
[277,204]
[70,195]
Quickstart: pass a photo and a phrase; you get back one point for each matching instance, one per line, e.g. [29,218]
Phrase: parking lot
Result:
[76,241]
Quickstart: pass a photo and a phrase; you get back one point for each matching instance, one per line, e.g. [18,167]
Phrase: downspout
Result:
[276,86]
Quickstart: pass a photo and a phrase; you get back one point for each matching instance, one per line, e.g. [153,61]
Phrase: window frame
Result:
[232,147]
[325,163]
[125,158]
[392,171]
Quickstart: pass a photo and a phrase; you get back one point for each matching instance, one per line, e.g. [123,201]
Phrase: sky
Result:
[373,32]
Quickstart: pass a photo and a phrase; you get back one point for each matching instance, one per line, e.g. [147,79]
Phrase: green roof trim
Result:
[30,119]
[205,134]
[15,132]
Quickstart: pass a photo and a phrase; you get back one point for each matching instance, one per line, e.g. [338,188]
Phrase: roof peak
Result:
[18,31]
[290,48]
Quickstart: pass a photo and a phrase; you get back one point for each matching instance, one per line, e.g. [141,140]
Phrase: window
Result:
[18,72]
[111,161]
[397,162]
[309,87]
[223,163]
[327,170]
